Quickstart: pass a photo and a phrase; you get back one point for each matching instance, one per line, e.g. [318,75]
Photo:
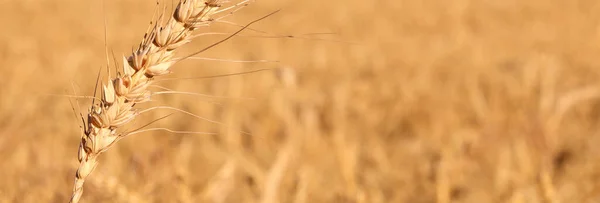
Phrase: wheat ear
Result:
[153,57]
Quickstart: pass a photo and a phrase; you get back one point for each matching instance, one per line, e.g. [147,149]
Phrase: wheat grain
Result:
[153,57]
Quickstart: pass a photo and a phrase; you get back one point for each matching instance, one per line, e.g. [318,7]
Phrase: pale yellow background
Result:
[439,101]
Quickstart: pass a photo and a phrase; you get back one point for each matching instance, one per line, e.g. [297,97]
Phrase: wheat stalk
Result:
[153,57]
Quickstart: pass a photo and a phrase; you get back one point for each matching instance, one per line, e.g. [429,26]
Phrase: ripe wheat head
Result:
[153,57]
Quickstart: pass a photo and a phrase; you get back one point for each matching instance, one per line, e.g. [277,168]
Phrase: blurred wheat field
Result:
[440,101]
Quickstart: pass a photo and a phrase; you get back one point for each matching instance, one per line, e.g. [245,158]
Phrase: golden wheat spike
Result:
[154,57]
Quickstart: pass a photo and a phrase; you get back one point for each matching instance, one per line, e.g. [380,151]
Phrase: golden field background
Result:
[439,101]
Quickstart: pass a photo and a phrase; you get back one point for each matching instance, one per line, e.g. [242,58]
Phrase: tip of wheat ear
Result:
[119,94]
